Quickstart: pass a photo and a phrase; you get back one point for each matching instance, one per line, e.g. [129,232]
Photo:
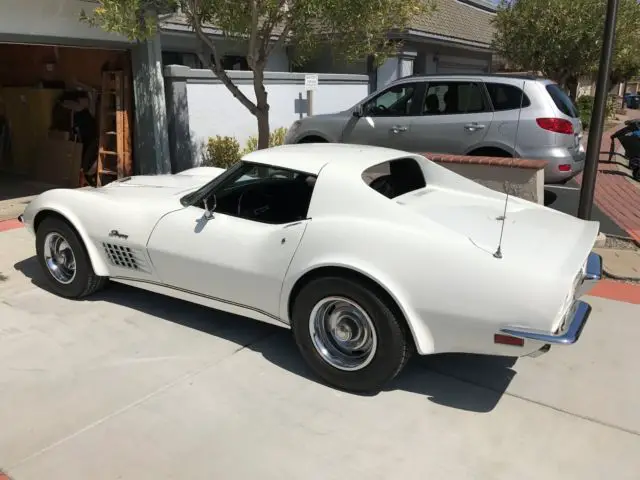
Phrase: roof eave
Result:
[413,34]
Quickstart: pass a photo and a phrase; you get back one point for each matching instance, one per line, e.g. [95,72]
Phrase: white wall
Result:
[214,111]
[52,20]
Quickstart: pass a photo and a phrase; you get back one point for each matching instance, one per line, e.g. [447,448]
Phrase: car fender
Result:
[421,334]
[53,202]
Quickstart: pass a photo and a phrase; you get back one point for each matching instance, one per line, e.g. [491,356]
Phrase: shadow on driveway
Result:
[467,382]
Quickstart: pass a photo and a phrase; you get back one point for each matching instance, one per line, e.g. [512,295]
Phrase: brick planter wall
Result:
[523,178]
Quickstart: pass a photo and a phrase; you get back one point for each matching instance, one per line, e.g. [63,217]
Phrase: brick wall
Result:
[520,177]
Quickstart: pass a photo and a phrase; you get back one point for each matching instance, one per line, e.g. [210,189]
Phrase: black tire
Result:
[394,341]
[636,174]
[85,282]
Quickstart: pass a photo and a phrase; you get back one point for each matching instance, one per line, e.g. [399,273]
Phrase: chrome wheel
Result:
[59,258]
[342,333]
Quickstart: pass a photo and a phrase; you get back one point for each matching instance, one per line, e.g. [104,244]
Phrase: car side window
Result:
[454,98]
[393,102]
[507,97]
[263,193]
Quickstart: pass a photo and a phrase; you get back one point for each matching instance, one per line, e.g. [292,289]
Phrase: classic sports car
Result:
[367,253]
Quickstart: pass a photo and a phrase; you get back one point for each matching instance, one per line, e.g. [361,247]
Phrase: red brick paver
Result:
[615,195]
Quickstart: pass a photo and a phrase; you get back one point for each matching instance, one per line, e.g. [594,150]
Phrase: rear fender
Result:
[422,336]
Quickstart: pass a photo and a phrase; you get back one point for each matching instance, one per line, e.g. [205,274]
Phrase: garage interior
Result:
[66,118]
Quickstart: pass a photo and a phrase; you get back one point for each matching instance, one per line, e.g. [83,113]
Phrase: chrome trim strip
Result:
[202,295]
[567,337]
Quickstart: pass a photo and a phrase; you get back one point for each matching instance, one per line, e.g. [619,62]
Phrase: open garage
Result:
[64,110]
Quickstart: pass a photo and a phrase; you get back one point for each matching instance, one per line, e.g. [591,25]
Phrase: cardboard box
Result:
[59,162]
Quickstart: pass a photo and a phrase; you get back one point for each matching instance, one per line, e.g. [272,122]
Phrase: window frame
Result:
[418,94]
[488,106]
[524,102]
[196,199]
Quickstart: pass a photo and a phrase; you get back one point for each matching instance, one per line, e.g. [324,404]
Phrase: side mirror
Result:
[208,212]
[358,111]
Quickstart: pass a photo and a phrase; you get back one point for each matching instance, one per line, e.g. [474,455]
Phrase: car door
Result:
[455,116]
[386,117]
[238,261]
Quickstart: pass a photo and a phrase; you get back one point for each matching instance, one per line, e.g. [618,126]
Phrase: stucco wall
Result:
[201,106]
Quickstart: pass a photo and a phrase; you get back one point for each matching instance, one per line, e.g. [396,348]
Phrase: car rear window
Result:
[562,101]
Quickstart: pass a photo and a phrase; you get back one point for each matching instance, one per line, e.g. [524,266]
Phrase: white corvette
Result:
[367,253]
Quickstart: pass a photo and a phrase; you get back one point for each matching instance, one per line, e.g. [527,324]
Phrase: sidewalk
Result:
[617,195]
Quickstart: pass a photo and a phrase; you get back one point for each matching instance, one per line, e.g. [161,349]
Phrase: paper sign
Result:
[311,82]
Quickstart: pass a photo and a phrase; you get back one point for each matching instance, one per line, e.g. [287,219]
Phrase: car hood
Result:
[153,186]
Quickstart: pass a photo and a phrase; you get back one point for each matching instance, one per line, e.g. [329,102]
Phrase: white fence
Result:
[200,106]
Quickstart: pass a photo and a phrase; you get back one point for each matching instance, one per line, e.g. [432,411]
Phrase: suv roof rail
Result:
[518,76]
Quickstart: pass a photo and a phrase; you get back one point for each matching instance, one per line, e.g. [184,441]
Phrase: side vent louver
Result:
[125,257]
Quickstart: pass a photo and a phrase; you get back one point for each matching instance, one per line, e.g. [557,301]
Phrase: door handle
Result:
[472,127]
[398,129]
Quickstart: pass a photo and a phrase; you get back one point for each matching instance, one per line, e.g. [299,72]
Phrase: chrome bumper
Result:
[577,316]
[592,274]
[565,336]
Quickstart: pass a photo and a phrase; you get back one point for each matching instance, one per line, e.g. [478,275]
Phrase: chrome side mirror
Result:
[208,212]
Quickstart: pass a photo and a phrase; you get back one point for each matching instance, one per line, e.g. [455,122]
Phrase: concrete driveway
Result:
[131,385]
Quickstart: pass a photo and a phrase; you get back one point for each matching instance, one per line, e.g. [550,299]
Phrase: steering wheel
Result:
[253,203]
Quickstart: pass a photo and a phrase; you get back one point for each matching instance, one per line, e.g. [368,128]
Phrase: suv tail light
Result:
[556,125]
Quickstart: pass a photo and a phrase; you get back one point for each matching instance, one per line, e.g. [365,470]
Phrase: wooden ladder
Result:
[114,149]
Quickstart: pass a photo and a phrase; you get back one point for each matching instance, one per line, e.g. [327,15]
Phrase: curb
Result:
[612,276]
[6,225]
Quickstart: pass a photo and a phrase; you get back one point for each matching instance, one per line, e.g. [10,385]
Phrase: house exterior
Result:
[455,38]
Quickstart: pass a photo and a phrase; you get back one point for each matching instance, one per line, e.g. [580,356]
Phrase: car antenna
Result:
[502,218]
[498,252]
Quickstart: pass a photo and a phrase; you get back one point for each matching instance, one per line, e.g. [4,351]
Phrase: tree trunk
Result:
[262,111]
[572,85]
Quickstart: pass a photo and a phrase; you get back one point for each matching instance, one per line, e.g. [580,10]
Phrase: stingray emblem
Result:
[116,233]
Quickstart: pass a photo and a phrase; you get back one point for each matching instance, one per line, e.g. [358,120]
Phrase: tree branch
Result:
[217,67]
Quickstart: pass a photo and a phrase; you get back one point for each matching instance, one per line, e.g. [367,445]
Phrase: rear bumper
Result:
[577,315]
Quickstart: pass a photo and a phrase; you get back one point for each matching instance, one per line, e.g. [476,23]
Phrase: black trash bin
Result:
[633,101]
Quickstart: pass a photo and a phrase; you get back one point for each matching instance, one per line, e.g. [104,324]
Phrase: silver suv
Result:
[488,115]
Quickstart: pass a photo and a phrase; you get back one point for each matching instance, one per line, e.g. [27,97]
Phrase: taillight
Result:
[508,340]
[556,125]
[565,167]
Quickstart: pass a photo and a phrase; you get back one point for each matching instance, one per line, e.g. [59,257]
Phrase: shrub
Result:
[585,107]
[225,151]
[276,138]
[222,152]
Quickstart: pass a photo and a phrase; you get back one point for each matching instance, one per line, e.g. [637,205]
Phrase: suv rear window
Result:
[562,101]
[507,97]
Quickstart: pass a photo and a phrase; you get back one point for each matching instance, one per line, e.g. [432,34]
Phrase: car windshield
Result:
[191,198]
[242,173]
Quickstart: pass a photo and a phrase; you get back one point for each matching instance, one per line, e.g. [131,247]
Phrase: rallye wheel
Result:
[64,260]
[348,335]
